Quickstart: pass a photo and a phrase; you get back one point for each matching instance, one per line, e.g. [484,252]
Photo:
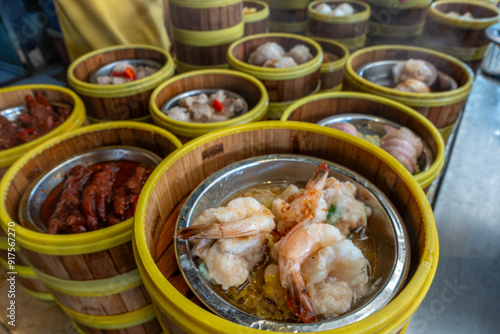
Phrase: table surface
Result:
[465,294]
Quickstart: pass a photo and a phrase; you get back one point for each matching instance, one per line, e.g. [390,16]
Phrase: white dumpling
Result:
[265,52]
[300,53]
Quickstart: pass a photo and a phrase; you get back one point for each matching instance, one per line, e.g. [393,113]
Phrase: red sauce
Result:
[125,170]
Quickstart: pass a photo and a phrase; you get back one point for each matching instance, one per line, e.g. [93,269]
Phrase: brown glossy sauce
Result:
[125,170]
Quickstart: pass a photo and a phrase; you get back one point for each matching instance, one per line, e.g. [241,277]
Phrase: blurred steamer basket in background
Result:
[289,16]
[463,38]
[203,31]
[332,70]
[256,22]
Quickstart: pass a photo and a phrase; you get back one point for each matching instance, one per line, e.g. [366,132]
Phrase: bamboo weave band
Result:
[395,31]
[209,38]
[288,4]
[202,3]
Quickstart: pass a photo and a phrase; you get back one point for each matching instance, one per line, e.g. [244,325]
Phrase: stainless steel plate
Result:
[393,249]
[373,125]
[175,100]
[380,73]
[34,197]
[13,113]
[108,68]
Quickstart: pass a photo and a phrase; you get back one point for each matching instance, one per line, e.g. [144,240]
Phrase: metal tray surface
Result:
[393,249]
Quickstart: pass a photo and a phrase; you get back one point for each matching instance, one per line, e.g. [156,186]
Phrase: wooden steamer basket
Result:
[288,16]
[315,108]
[441,108]
[284,85]
[92,275]
[184,170]
[251,89]
[332,72]
[127,101]
[256,23]
[461,38]
[14,96]
[203,30]
[394,22]
[26,277]
[349,30]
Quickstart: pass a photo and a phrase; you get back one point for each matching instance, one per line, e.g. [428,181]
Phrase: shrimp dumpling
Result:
[300,53]
[265,52]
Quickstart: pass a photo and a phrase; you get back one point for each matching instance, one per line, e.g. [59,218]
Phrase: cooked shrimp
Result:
[294,206]
[297,246]
[349,212]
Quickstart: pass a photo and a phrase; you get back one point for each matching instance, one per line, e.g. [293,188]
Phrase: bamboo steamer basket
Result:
[92,275]
[284,85]
[25,276]
[161,201]
[441,108]
[14,96]
[349,30]
[332,72]
[318,107]
[251,89]
[256,23]
[396,21]
[203,30]
[464,39]
[288,16]
[127,101]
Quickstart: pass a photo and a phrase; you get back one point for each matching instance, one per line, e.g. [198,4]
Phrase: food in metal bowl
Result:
[22,124]
[199,107]
[124,71]
[465,16]
[271,54]
[343,9]
[249,10]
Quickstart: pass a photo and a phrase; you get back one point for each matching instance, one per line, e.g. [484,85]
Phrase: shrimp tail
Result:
[193,231]
[298,300]
[319,177]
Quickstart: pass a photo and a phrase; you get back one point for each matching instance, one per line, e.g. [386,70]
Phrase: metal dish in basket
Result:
[393,249]
[380,73]
[370,125]
[175,100]
[34,197]
[108,68]
[11,114]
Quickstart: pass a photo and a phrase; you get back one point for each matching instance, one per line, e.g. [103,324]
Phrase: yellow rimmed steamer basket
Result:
[461,38]
[203,30]
[284,85]
[185,169]
[92,275]
[394,22]
[15,96]
[349,30]
[258,22]
[332,72]
[26,277]
[128,101]
[288,16]
[441,108]
[315,108]
[249,88]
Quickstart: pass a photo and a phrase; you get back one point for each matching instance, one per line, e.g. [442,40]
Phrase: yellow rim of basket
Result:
[287,27]
[126,89]
[187,129]
[353,43]
[44,296]
[124,320]
[75,120]
[72,244]
[288,4]
[424,178]
[202,3]
[180,308]
[183,67]
[462,53]
[257,16]
[476,23]
[265,73]
[447,131]
[337,88]
[276,109]
[23,271]
[4,243]
[389,30]
[396,4]
[78,329]
[92,288]
[410,99]
[210,37]
[333,65]
[357,17]
[144,119]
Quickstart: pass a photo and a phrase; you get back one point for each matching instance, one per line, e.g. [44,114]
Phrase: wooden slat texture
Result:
[206,19]
[150,327]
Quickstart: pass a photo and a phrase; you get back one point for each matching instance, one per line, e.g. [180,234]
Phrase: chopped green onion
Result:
[333,215]
[203,271]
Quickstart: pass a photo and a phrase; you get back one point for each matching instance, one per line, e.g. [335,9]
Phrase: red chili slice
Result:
[129,73]
[26,132]
[217,105]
